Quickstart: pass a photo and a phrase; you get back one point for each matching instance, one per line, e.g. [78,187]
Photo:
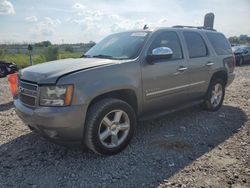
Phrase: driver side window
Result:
[168,39]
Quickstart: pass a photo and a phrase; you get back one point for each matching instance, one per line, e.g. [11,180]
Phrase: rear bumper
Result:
[63,125]
[230,78]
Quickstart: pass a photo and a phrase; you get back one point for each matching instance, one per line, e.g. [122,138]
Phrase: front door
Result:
[164,81]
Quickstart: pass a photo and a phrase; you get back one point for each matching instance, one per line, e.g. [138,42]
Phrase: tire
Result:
[3,72]
[210,103]
[241,62]
[102,134]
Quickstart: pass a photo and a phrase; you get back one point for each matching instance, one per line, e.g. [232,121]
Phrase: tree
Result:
[242,39]
[43,44]
[234,40]
[51,53]
[69,49]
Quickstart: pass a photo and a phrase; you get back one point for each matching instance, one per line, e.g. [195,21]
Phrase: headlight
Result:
[56,95]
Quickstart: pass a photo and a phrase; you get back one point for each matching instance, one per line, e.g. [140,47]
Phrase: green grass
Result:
[22,60]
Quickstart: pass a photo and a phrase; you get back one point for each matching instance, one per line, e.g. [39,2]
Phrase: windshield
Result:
[126,45]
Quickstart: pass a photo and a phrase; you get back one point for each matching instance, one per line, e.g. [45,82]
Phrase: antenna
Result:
[145,27]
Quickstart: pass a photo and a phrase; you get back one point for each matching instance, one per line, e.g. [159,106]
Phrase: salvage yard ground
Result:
[190,148]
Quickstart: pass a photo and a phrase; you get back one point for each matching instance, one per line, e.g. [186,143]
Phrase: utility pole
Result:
[30,48]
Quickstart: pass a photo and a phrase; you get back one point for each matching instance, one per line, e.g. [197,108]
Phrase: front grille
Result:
[28,100]
[28,93]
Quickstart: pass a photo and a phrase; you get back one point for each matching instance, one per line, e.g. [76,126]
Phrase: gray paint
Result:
[157,86]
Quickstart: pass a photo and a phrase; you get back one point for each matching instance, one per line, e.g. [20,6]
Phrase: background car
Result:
[7,68]
[242,54]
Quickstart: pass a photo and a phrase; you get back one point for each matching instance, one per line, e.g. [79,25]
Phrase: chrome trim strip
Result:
[174,88]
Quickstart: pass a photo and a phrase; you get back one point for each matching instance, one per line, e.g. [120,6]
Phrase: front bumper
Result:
[59,124]
[230,78]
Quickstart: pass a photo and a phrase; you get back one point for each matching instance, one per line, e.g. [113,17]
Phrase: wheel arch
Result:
[127,95]
[222,74]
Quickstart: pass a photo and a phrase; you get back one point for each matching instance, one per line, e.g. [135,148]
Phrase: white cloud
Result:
[46,27]
[31,19]
[6,7]
[78,6]
[96,24]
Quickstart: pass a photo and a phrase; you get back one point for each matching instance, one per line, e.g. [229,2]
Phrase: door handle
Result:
[182,68]
[209,63]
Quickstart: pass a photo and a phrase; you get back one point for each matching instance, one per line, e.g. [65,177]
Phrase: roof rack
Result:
[194,27]
[208,23]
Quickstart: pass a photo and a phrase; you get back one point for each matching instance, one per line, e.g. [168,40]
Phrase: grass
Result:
[22,60]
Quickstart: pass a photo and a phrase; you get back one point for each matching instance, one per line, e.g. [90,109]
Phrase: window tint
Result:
[195,44]
[219,43]
[168,39]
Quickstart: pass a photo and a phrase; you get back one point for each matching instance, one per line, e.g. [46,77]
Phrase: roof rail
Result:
[194,27]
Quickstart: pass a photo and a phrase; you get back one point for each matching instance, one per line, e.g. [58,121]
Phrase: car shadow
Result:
[6,106]
[160,149]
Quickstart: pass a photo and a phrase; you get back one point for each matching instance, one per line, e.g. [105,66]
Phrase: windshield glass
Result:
[126,45]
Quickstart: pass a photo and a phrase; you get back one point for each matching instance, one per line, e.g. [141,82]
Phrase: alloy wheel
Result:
[217,94]
[114,128]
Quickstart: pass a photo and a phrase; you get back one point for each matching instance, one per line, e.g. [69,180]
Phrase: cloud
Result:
[6,7]
[78,6]
[31,19]
[97,23]
[46,27]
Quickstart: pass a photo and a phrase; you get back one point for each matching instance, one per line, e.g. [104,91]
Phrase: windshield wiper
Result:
[103,56]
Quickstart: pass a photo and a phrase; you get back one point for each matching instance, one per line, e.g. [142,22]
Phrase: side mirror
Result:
[245,51]
[160,53]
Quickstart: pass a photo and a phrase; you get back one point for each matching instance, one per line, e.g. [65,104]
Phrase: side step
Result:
[163,113]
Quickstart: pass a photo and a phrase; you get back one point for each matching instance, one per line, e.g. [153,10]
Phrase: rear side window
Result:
[219,43]
[168,39]
[195,44]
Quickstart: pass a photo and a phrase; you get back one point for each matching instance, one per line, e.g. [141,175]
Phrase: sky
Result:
[70,21]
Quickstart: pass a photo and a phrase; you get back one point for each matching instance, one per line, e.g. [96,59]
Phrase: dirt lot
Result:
[191,148]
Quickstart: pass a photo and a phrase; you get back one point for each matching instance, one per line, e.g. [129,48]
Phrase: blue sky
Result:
[67,21]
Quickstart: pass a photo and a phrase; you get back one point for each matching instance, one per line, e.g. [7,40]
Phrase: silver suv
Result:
[96,100]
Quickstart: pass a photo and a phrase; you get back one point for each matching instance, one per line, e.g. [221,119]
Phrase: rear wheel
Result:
[215,95]
[109,126]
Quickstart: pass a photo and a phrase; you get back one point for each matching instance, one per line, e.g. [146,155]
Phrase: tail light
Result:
[230,63]
[234,61]
[13,82]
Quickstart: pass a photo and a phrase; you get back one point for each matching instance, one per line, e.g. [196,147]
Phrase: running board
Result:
[163,113]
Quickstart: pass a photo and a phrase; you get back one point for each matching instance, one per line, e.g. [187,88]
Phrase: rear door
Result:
[199,62]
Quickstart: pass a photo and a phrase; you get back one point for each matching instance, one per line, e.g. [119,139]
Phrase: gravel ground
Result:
[190,148]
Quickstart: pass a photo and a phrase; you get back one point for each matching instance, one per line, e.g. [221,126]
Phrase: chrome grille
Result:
[28,93]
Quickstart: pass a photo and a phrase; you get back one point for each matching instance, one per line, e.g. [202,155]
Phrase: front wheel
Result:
[215,95]
[110,126]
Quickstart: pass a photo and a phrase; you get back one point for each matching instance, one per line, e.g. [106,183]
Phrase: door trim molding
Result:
[174,88]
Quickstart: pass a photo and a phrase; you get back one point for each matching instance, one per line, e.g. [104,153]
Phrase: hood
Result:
[48,73]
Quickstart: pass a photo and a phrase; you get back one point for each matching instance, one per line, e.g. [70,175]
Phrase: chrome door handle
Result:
[181,69]
[209,63]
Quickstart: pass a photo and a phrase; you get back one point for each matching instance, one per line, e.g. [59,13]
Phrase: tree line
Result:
[242,39]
